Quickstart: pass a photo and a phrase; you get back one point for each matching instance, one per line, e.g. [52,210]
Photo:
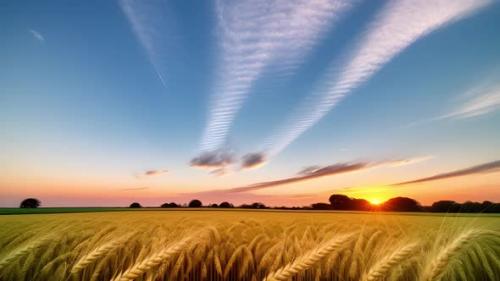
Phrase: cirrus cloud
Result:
[396,27]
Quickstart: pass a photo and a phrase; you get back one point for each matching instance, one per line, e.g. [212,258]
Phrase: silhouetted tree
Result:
[360,205]
[226,205]
[214,205]
[490,207]
[169,205]
[321,206]
[401,204]
[258,205]
[471,207]
[195,203]
[445,206]
[340,202]
[30,203]
[135,205]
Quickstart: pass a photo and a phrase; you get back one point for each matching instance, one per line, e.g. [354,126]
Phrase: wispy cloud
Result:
[152,24]
[485,99]
[155,172]
[134,188]
[254,35]
[410,161]
[479,169]
[37,35]
[313,172]
[215,161]
[398,25]
[480,100]
[253,160]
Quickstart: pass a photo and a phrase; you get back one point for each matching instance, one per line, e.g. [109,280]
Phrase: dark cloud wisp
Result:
[306,174]
[483,168]
[154,172]
[212,160]
[253,160]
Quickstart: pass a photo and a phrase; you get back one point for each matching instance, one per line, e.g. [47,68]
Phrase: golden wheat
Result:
[22,251]
[441,261]
[154,261]
[96,254]
[309,259]
[380,270]
[271,245]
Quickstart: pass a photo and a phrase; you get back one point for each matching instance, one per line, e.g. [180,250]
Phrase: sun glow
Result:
[375,201]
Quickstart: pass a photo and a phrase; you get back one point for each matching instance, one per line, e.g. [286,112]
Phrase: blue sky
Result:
[95,94]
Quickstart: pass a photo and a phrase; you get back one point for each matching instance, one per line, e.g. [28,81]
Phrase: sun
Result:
[375,201]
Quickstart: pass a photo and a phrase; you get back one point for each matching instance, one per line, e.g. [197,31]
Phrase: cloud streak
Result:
[215,161]
[155,172]
[314,172]
[486,100]
[152,25]
[254,35]
[479,169]
[134,188]
[399,24]
[253,160]
[37,35]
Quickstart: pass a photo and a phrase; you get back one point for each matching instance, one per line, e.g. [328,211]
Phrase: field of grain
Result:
[244,245]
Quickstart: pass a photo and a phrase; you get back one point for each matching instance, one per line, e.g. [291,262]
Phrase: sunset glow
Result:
[284,102]
[375,201]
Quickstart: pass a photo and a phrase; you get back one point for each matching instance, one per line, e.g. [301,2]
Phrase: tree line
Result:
[339,202]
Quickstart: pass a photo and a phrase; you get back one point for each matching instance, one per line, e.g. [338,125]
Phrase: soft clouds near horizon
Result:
[155,172]
[313,172]
[489,167]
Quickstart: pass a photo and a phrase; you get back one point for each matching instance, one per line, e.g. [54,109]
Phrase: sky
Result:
[284,102]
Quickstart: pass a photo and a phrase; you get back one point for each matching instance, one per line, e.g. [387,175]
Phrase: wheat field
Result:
[248,245]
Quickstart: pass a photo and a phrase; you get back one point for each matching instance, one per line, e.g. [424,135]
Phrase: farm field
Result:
[248,245]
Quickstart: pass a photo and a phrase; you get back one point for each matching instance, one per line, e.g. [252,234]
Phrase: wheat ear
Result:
[154,261]
[307,260]
[95,255]
[17,253]
[380,270]
[439,264]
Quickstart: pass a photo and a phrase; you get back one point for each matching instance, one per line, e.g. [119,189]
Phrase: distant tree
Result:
[169,205]
[445,206]
[401,204]
[214,205]
[195,203]
[30,203]
[321,206]
[340,202]
[135,205]
[490,207]
[225,205]
[258,205]
[360,205]
[471,207]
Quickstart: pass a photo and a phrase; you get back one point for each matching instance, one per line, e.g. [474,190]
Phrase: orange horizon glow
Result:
[375,201]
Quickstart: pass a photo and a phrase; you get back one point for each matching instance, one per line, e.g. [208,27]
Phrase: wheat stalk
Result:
[307,260]
[96,254]
[441,261]
[154,261]
[23,251]
[379,270]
